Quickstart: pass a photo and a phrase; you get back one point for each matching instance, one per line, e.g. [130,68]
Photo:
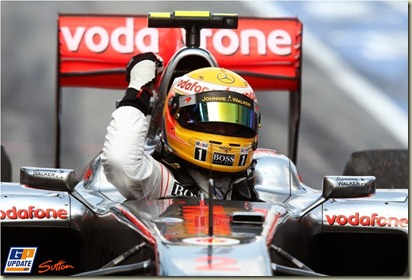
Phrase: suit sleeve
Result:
[126,165]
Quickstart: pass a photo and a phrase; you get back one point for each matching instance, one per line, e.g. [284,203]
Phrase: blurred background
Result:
[355,82]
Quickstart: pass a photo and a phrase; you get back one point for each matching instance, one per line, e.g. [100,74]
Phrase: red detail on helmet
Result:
[187,99]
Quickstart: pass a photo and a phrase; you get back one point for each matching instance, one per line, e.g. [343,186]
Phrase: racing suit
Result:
[127,166]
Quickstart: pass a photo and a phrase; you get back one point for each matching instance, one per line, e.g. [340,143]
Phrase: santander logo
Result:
[133,36]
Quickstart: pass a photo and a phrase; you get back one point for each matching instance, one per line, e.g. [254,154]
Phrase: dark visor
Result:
[218,107]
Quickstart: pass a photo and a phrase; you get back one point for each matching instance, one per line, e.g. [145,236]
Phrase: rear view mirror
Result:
[48,178]
[348,186]
[343,187]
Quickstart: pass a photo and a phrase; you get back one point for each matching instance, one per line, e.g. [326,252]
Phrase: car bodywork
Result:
[87,223]
[55,223]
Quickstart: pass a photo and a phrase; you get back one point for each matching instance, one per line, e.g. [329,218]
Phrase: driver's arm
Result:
[133,172]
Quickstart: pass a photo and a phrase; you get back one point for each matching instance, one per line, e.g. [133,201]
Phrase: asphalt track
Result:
[333,125]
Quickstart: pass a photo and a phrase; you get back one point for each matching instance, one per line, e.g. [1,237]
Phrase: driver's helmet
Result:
[211,120]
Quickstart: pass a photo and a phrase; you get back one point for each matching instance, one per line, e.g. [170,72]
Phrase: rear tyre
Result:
[390,167]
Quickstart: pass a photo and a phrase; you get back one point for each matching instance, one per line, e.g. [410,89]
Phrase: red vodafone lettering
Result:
[190,85]
[33,213]
[367,220]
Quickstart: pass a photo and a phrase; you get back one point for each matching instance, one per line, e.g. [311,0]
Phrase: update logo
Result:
[20,260]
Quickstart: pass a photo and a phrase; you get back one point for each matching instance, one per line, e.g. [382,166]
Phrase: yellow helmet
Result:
[211,119]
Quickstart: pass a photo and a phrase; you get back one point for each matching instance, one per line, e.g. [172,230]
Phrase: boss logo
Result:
[179,190]
[223,159]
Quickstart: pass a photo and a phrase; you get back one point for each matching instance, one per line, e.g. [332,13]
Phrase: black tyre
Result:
[5,166]
[390,167]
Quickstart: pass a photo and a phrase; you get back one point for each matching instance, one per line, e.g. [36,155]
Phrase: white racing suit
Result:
[137,174]
[133,172]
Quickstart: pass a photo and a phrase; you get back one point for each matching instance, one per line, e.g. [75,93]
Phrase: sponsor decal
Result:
[242,160]
[223,159]
[20,260]
[122,39]
[58,174]
[192,86]
[225,149]
[49,266]
[366,220]
[214,99]
[188,101]
[200,151]
[33,213]
[241,101]
[351,181]
[130,35]
[106,43]
[245,150]
[230,42]
[179,190]
[225,78]
[228,98]
[218,96]
[202,145]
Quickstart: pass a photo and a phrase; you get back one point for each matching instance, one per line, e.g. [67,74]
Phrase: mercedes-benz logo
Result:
[226,78]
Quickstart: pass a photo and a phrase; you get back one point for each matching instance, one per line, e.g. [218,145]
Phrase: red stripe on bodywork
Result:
[272,230]
[147,234]
[144,230]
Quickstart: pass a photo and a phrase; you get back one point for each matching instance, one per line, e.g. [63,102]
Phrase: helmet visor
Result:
[210,110]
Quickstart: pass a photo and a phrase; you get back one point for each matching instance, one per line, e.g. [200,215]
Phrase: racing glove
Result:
[141,73]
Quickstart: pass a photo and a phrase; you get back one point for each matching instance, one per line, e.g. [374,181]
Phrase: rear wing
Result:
[93,51]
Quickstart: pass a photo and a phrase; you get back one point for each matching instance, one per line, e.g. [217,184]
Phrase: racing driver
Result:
[209,132]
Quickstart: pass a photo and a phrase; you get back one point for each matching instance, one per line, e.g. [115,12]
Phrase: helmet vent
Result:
[215,142]
[234,145]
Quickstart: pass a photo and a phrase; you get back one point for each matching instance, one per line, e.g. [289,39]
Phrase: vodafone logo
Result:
[33,213]
[366,220]
[131,37]
[122,39]
[228,42]
[191,86]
